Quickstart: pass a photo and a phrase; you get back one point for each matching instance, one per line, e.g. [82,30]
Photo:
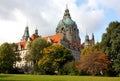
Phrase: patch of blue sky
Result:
[110,16]
[80,2]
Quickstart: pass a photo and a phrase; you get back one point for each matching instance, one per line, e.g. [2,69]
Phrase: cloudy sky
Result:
[92,16]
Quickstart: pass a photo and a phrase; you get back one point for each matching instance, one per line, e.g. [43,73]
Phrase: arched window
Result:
[62,28]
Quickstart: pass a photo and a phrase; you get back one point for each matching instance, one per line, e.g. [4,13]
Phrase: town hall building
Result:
[67,34]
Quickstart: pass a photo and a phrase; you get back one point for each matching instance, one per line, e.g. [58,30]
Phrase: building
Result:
[88,42]
[67,34]
[22,49]
[71,40]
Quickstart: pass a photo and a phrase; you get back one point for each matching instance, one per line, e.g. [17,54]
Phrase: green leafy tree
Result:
[110,45]
[94,63]
[15,47]
[69,68]
[54,59]
[7,58]
[36,51]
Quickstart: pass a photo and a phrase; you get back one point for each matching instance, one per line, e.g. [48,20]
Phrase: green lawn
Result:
[11,77]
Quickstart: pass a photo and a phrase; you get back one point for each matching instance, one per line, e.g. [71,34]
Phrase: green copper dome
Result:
[60,23]
[67,22]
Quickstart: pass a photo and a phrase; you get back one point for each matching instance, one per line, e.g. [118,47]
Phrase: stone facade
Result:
[22,50]
[67,34]
[71,39]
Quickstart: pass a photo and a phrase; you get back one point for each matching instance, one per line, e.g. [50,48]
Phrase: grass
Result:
[18,77]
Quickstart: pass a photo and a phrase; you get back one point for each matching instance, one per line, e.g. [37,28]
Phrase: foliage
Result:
[17,54]
[22,77]
[94,63]
[69,68]
[94,47]
[110,45]
[36,51]
[7,58]
[14,47]
[54,59]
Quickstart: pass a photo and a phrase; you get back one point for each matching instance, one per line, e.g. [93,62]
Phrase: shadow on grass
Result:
[15,80]
[4,76]
[30,80]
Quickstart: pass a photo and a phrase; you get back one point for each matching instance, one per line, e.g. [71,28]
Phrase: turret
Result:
[68,28]
[87,44]
[66,13]
[36,32]
[26,34]
[93,40]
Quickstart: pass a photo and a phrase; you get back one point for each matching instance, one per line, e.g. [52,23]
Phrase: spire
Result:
[26,34]
[66,13]
[66,6]
[93,40]
[36,31]
[92,36]
[86,38]
[87,44]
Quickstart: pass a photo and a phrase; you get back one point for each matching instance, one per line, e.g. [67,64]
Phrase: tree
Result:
[54,59]
[94,63]
[94,47]
[110,45]
[14,48]
[69,68]
[7,58]
[36,51]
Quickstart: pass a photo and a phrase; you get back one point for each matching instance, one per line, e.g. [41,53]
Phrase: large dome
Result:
[67,22]
[60,23]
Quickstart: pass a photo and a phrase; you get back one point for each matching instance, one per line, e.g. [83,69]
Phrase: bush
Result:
[69,68]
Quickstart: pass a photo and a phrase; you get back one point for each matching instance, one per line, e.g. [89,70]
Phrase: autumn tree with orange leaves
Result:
[93,63]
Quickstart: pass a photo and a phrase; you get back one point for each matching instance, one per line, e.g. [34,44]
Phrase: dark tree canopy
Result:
[110,45]
[7,58]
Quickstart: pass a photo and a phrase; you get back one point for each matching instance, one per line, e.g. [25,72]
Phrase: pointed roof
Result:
[92,36]
[66,19]
[26,34]
[36,31]
[66,13]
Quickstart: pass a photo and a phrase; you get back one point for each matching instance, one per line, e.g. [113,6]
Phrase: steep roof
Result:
[34,36]
[55,39]
[23,43]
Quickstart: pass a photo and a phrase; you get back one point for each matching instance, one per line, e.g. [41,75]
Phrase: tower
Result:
[36,32]
[93,39]
[87,43]
[26,34]
[68,28]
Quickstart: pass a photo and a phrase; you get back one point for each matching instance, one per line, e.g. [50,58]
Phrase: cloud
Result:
[89,17]
[113,4]
[45,15]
